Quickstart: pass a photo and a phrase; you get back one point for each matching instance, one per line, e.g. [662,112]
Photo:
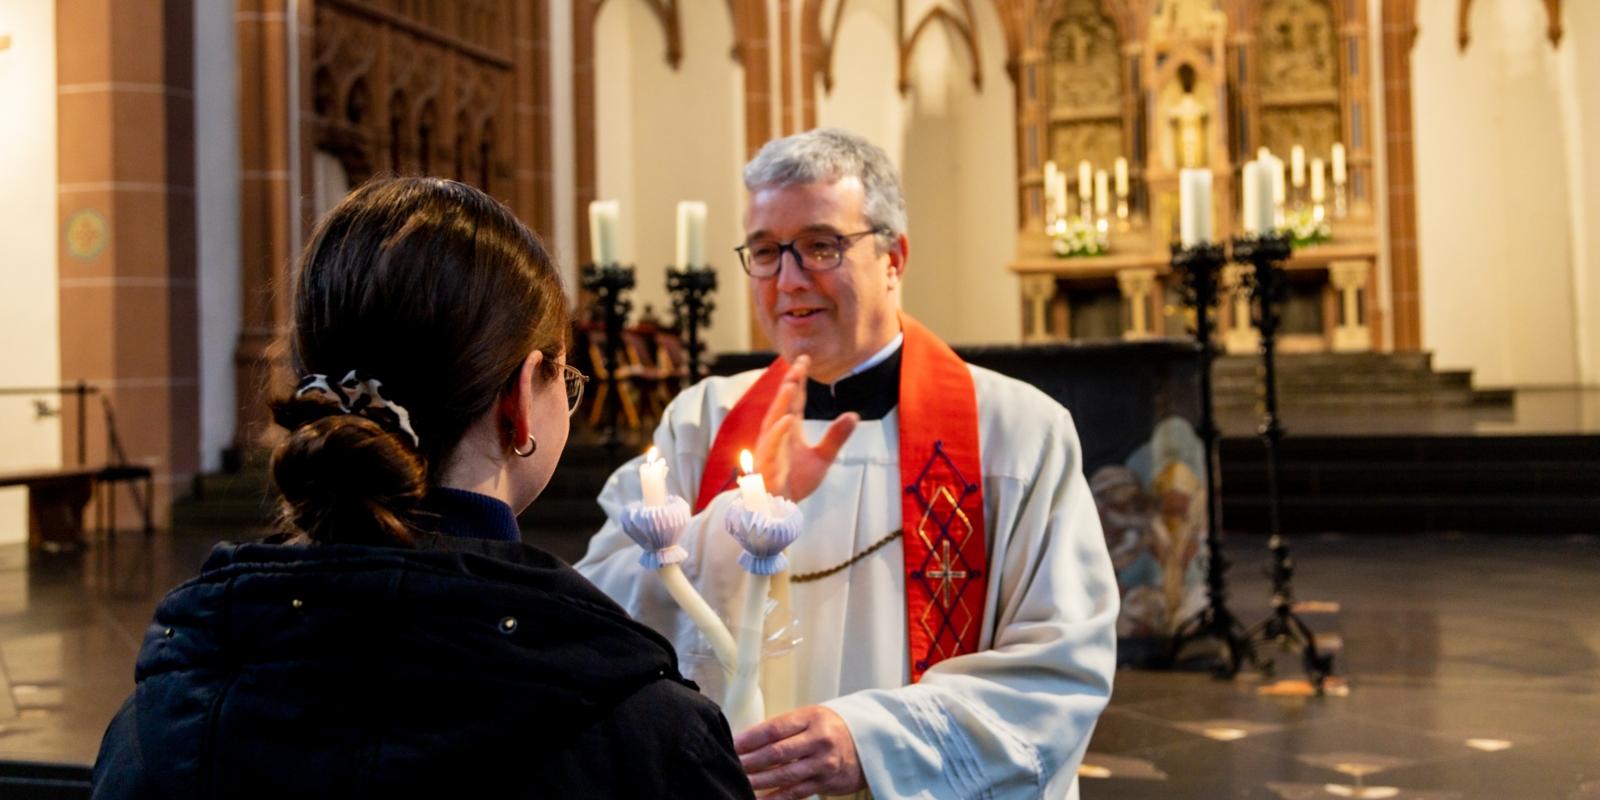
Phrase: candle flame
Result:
[747,462]
[651,456]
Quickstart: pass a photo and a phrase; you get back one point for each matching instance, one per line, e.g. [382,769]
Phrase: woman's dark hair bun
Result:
[344,478]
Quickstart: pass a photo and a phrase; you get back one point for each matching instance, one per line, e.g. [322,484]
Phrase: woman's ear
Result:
[516,405]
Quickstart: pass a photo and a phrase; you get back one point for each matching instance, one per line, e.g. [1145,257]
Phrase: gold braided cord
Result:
[808,577]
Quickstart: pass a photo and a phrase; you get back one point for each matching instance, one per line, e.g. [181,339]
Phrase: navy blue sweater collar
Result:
[470,515]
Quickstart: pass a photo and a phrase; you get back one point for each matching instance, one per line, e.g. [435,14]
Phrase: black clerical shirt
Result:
[872,393]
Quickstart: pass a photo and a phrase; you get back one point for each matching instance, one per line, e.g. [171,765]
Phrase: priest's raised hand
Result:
[808,751]
[791,467]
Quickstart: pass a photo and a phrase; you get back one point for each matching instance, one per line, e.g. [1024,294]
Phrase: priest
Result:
[953,601]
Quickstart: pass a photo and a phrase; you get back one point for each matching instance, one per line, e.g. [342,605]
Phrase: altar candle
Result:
[1319,189]
[1050,184]
[1121,171]
[603,231]
[1280,194]
[1339,173]
[1194,192]
[1102,193]
[1259,213]
[1263,153]
[1085,176]
[691,234]
[1061,195]
[752,487]
[653,479]
[1297,166]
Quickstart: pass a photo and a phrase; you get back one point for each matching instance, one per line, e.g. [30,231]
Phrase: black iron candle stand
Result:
[610,283]
[691,289]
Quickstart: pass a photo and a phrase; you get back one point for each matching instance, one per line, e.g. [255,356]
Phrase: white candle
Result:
[1085,176]
[1121,173]
[1297,166]
[603,231]
[699,611]
[1259,212]
[1339,173]
[1061,195]
[1319,189]
[1050,184]
[1262,153]
[1194,192]
[1102,193]
[653,479]
[1280,193]
[752,487]
[691,234]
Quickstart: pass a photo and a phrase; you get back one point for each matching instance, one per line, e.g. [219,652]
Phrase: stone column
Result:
[1037,291]
[126,199]
[1350,278]
[1239,335]
[1136,286]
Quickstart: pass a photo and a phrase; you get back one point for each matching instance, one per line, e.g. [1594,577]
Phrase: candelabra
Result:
[1199,267]
[1269,287]
[691,289]
[609,283]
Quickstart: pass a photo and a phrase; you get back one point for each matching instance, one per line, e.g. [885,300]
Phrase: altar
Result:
[1117,100]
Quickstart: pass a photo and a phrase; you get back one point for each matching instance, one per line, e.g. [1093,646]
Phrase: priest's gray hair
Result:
[830,154]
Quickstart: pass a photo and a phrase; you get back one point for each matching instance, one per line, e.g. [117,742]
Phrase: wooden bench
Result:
[56,497]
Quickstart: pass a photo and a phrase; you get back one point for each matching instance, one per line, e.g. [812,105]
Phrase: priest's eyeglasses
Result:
[574,381]
[814,252]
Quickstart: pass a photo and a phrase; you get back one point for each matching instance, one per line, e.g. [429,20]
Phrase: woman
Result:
[398,639]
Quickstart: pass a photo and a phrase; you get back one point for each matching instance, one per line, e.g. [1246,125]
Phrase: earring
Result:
[533,445]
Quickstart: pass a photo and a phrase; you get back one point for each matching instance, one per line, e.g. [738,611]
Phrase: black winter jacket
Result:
[466,668]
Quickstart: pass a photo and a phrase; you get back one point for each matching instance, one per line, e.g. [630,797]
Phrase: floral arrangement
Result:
[1305,227]
[1077,237]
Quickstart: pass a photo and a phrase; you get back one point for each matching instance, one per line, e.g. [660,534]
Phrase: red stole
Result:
[946,555]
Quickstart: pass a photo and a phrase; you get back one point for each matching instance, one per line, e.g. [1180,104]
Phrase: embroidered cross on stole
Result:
[941,505]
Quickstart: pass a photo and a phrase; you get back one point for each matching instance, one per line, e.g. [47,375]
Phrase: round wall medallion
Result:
[87,233]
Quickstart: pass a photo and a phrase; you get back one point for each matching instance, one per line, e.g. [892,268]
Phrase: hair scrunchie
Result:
[361,396]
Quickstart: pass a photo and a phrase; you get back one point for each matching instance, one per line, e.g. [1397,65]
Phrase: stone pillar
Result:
[1349,279]
[1239,335]
[126,199]
[1137,286]
[273,221]
[1037,291]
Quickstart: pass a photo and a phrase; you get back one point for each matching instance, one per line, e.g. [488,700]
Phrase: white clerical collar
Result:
[878,357]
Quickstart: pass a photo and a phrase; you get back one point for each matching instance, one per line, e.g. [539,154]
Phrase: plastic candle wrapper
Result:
[764,536]
[657,530]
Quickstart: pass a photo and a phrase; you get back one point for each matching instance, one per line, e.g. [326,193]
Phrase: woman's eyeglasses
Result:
[574,381]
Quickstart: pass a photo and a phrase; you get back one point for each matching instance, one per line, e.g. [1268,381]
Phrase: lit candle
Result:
[603,231]
[1263,153]
[691,234]
[653,479]
[752,487]
[1085,176]
[1120,173]
[1319,189]
[1297,166]
[1061,195]
[1339,173]
[1194,192]
[1102,193]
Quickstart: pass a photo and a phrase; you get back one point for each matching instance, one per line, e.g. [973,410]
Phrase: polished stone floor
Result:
[1472,665]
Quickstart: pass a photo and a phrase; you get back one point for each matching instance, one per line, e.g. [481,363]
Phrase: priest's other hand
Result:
[804,752]
[791,467]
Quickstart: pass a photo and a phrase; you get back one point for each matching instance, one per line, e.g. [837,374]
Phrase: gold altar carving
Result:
[1174,84]
[1085,65]
[1297,49]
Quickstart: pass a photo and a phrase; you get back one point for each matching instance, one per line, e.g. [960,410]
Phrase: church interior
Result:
[1318,280]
